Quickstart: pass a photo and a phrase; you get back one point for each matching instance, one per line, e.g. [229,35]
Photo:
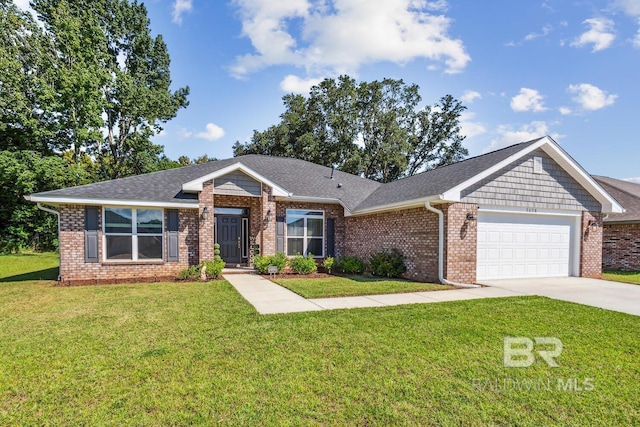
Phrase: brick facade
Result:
[73,269]
[621,247]
[414,232]
[205,231]
[460,242]
[591,245]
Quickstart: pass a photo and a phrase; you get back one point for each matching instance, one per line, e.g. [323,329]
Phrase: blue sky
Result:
[569,69]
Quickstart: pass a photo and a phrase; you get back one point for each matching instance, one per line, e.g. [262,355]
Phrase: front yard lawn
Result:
[338,286]
[623,276]
[198,354]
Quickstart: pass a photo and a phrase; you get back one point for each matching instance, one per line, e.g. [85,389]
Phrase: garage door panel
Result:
[523,245]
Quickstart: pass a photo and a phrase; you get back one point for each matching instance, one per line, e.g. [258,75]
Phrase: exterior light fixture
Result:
[205,213]
[471,217]
[593,224]
[267,218]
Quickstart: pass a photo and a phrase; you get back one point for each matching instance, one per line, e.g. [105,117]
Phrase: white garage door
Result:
[524,245]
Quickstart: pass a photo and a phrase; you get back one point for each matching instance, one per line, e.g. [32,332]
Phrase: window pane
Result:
[314,246]
[119,247]
[299,212]
[150,247]
[149,221]
[295,246]
[295,227]
[314,227]
[117,220]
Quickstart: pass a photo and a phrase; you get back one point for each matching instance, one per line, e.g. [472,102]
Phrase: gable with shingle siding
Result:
[517,185]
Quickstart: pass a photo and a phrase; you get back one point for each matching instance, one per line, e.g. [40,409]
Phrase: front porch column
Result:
[268,245]
[205,229]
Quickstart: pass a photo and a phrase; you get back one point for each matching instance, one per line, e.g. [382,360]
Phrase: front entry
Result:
[229,237]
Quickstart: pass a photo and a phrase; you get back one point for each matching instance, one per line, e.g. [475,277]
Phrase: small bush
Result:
[191,273]
[303,264]
[262,263]
[351,265]
[214,268]
[329,263]
[388,263]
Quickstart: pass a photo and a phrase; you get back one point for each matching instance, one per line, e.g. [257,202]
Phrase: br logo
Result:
[519,351]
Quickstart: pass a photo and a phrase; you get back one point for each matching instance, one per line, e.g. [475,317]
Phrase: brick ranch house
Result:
[621,239]
[528,210]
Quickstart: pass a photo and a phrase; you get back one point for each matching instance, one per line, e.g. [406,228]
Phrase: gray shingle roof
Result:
[627,194]
[298,177]
[439,180]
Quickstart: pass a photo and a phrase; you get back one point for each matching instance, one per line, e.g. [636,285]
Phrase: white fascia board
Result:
[609,204]
[454,193]
[196,185]
[406,204]
[309,199]
[526,211]
[56,201]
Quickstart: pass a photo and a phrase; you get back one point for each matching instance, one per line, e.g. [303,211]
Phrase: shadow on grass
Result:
[46,274]
[369,279]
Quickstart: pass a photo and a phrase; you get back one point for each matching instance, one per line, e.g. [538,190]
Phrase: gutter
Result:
[56,213]
[440,214]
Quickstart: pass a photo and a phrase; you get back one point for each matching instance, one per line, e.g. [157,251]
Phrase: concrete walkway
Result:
[270,298]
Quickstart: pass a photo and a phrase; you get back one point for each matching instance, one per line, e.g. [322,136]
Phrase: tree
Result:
[114,79]
[374,129]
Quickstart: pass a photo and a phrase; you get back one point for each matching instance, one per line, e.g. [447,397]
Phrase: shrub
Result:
[262,263]
[351,265]
[328,264]
[191,273]
[303,264]
[388,263]
[214,268]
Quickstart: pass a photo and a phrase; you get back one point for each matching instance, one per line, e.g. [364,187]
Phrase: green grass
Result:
[29,266]
[623,276]
[337,286]
[198,354]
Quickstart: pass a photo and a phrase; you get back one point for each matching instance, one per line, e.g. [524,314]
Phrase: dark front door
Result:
[228,238]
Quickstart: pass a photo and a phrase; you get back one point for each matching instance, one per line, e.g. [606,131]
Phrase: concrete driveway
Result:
[596,293]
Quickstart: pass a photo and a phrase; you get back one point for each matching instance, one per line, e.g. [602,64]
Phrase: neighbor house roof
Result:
[627,193]
[295,179]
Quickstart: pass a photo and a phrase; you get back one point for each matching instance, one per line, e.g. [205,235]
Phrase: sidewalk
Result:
[270,298]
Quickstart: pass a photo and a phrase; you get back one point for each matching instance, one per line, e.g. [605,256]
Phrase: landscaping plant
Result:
[329,263]
[388,263]
[303,264]
[262,263]
[351,265]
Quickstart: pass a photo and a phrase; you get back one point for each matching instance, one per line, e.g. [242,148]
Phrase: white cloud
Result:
[507,135]
[630,7]
[184,133]
[532,36]
[528,100]
[295,84]
[22,4]
[600,34]
[634,180]
[636,40]
[565,111]
[180,7]
[591,97]
[211,133]
[339,36]
[469,96]
[470,128]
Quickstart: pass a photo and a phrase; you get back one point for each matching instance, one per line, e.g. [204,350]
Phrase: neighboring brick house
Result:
[528,210]
[621,240]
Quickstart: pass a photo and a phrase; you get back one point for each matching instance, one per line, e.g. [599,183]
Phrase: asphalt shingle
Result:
[627,194]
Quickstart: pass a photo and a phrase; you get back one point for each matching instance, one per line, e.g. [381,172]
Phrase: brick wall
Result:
[414,232]
[330,211]
[205,231]
[268,244]
[591,246]
[74,270]
[460,244]
[621,247]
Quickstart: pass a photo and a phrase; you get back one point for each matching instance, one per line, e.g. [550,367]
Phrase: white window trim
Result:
[305,237]
[133,234]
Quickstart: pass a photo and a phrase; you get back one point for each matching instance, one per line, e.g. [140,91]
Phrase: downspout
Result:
[441,246]
[56,213]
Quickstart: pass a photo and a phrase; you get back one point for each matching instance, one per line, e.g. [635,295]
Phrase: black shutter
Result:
[331,239]
[280,234]
[91,228]
[173,224]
